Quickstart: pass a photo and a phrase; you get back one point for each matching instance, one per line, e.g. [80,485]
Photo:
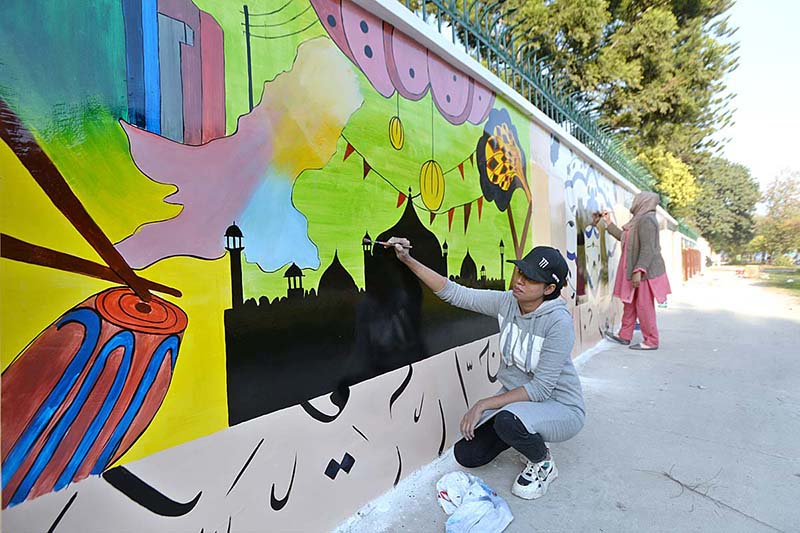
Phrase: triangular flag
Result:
[433,216]
[367,168]
[480,207]
[450,218]
[472,159]
[461,169]
[347,151]
[400,199]
[467,211]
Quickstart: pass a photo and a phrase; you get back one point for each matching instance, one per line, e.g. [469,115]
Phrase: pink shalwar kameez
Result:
[638,303]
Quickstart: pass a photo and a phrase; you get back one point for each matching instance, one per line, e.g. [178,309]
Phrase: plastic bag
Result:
[472,505]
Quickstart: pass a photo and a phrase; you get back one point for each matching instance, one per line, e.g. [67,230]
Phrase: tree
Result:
[781,225]
[725,204]
[650,70]
[757,246]
[569,33]
[673,178]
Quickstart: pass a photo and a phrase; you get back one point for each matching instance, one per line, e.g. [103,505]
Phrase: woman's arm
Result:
[473,416]
[614,230]
[428,276]
[605,218]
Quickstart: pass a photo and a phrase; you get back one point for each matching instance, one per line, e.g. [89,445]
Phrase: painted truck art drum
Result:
[93,380]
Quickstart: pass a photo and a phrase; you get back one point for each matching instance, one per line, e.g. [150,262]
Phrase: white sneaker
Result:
[533,481]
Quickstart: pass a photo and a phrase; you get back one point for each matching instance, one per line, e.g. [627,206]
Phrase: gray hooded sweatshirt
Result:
[536,349]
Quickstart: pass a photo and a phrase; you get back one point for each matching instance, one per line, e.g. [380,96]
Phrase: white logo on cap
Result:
[543,263]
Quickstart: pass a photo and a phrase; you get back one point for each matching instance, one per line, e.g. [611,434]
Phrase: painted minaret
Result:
[233,243]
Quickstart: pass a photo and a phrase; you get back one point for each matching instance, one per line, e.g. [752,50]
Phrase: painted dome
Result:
[469,270]
[426,247]
[336,278]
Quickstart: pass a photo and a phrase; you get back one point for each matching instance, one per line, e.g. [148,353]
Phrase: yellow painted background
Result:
[34,297]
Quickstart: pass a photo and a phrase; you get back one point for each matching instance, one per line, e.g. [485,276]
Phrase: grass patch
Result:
[783,278]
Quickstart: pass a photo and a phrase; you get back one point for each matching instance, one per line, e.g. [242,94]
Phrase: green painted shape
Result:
[353,205]
[341,206]
[96,162]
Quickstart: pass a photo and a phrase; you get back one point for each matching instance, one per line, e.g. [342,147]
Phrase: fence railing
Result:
[482,29]
[686,230]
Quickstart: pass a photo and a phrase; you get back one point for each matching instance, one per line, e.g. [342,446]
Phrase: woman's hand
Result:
[471,419]
[605,216]
[401,247]
[636,279]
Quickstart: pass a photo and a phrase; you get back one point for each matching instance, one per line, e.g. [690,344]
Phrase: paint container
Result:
[85,389]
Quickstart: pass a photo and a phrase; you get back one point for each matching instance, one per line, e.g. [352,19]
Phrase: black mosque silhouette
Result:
[313,342]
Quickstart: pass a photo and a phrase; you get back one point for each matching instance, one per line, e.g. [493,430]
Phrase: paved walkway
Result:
[701,435]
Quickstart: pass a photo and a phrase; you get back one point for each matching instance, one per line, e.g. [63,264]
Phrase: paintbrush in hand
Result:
[369,241]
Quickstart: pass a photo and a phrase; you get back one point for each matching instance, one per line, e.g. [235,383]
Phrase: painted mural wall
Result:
[199,331]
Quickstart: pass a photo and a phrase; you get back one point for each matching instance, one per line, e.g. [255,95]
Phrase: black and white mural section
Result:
[273,469]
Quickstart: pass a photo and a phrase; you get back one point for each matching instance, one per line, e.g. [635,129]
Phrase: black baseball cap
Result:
[545,264]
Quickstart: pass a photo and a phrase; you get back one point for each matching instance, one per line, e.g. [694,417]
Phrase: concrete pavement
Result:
[701,435]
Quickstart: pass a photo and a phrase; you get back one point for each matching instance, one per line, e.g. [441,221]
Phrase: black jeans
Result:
[502,431]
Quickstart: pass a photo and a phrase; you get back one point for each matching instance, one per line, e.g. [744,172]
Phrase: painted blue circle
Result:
[368,51]
[454,77]
[364,26]
[447,98]
[331,21]
[411,72]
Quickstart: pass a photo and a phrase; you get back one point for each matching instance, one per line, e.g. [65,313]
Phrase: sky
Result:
[765,136]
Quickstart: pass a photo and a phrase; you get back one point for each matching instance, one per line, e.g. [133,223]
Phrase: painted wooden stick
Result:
[32,254]
[52,182]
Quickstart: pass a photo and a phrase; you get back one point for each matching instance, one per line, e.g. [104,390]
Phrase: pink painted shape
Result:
[407,63]
[212,60]
[394,54]
[187,12]
[364,33]
[482,101]
[215,181]
[330,15]
[452,90]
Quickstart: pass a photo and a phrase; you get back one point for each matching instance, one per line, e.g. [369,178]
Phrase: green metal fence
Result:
[688,231]
[483,31]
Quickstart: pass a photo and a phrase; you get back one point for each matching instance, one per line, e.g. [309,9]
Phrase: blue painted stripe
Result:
[152,82]
[170,345]
[101,417]
[121,339]
[19,452]
[134,61]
